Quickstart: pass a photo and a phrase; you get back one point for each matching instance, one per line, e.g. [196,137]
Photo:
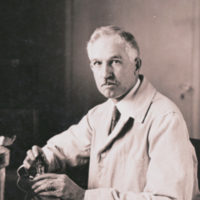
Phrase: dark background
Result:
[35,79]
[33,96]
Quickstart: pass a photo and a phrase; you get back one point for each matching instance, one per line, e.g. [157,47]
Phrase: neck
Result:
[116,100]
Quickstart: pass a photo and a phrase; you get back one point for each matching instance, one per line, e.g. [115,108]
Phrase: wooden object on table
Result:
[4,161]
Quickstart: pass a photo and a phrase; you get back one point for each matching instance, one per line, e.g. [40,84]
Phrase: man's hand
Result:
[31,160]
[57,185]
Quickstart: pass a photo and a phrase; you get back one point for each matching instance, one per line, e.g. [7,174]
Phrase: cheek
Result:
[97,80]
[126,79]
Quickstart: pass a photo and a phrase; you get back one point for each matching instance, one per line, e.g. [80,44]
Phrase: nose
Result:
[106,71]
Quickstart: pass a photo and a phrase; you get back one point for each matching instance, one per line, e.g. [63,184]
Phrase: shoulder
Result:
[161,105]
[151,104]
[99,109]
[162,110]
[166,119]
[98,114]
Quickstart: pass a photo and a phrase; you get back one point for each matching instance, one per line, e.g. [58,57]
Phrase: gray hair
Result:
[123,38]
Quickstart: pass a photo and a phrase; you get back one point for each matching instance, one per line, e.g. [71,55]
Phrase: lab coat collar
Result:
[137,102]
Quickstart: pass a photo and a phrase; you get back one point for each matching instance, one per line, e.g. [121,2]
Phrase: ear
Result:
[138,63]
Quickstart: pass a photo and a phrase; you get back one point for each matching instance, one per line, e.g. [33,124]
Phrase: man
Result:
[136,142]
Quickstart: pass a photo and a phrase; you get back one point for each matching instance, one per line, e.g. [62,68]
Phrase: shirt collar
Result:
[136,103]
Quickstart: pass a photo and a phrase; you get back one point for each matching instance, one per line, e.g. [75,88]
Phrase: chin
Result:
[109,95]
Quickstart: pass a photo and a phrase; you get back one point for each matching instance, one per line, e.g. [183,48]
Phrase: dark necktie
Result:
[115,118]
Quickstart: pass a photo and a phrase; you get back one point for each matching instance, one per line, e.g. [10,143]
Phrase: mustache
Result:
[110,82]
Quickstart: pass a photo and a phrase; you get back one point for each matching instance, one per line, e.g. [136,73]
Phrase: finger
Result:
[30,155]
[46,176]
[47,187]
[26,164]
[29,161]
[48,193]
[39,183]
[39,154]
[36,151]
[29,168]
[41,188]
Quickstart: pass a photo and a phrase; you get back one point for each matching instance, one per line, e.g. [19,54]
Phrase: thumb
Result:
[37,151]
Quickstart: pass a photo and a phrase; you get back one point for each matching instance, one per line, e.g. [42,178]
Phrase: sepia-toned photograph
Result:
[100,100]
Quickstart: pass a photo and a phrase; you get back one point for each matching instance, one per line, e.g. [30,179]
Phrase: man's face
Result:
[114,73]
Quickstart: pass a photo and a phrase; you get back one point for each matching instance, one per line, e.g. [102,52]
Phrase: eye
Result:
[97,63]
[115,62]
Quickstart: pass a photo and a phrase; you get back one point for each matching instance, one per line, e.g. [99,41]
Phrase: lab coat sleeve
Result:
[171,169]
[70,148]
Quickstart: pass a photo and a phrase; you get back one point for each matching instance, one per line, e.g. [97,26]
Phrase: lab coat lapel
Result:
[122,121]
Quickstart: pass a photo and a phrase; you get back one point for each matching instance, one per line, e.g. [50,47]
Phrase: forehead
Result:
[106,47]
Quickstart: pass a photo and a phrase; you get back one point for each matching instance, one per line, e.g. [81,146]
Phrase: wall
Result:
[165,33]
